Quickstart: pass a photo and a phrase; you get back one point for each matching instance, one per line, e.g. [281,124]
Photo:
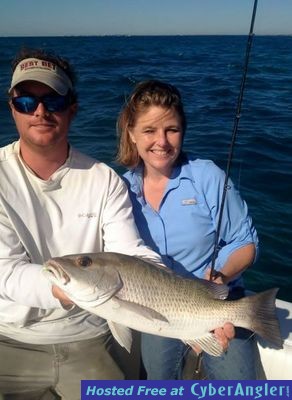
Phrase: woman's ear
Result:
[132,137]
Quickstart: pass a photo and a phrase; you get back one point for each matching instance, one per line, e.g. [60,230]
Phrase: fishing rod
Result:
[213,272]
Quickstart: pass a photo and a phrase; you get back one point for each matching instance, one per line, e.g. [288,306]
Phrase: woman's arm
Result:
[236,263]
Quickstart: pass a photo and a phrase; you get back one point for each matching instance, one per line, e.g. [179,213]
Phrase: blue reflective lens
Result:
[52,103]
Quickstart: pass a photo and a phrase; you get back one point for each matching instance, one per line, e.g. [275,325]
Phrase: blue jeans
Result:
[164,358]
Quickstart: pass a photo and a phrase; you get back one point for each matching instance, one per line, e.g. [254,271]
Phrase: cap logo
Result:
[37,64]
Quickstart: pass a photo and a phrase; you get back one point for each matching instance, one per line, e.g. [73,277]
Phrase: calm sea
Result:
[208,71]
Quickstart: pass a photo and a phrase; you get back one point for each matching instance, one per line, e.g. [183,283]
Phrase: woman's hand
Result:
[218,277]
[227,332]
[223,336]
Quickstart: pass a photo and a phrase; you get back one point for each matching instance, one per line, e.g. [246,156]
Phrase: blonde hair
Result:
[145,94]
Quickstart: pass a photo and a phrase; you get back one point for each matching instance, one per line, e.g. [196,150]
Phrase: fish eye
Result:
[84,261]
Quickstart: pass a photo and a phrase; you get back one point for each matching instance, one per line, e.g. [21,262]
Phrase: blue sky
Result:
[142,17]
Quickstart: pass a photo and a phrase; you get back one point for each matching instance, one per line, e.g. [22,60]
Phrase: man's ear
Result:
[12,109]
[74,109]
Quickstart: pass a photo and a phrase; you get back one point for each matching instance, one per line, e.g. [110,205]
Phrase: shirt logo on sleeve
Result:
[188,202]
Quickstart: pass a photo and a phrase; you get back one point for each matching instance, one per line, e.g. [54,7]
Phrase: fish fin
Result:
[215,290]
[140,310]
[264,321]
[208,343]
[122,334]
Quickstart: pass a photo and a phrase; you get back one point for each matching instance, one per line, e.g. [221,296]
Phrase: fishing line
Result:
[213,273]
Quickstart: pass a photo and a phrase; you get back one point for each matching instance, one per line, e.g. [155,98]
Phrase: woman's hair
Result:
[146,94]
[42,54]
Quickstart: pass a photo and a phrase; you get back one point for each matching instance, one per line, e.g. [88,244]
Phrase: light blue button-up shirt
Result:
[183,229]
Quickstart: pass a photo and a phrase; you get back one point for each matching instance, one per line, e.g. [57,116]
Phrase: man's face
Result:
[41,129]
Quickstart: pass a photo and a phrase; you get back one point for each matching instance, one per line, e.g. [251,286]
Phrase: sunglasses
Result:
[52,103]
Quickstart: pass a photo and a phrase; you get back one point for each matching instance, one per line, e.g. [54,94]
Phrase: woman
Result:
[176,201]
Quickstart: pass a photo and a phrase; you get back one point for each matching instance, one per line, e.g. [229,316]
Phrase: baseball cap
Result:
[34,69]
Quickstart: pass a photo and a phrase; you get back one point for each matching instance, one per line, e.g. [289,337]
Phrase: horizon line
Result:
[143,35]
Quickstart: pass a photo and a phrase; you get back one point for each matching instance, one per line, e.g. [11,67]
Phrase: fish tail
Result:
[264,319]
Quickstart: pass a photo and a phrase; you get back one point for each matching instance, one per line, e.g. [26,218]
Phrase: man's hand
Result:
[62,297]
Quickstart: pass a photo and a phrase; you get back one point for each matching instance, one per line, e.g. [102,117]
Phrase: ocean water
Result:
[208,71]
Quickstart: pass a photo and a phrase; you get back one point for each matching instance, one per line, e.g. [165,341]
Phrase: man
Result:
[54,201]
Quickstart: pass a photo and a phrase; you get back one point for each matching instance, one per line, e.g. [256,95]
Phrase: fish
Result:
[130,292]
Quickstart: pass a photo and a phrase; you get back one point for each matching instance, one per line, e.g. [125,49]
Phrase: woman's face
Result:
[158,137]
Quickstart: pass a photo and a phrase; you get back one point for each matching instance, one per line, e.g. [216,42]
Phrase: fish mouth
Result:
[57,272]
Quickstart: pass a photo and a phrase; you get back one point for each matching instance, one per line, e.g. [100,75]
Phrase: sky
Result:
[142,17]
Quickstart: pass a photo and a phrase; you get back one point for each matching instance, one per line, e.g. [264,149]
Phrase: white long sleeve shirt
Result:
[83,207]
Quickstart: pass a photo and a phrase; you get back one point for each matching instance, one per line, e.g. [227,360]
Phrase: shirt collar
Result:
[180,171]
[54,182]
[136,180]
